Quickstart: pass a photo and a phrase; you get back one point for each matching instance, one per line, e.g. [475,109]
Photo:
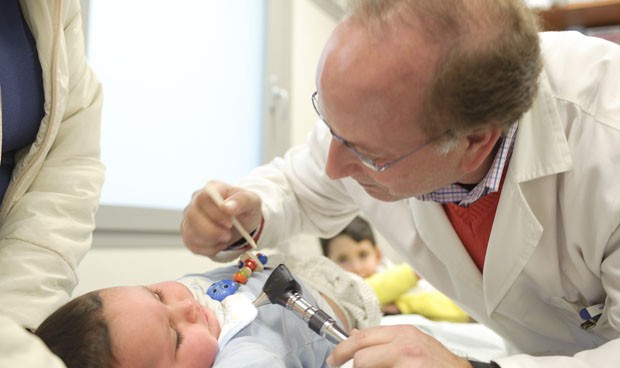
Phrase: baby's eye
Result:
[159,294]
[179,339]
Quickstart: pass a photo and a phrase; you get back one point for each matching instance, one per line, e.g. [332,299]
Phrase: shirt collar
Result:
[455,193]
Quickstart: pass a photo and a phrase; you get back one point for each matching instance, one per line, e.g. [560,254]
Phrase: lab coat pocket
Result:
[593,324]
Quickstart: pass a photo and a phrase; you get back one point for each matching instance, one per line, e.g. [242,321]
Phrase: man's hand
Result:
[207,228]
[401,346]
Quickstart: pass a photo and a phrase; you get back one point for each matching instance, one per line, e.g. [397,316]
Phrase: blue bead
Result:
[221,289]
[262,258]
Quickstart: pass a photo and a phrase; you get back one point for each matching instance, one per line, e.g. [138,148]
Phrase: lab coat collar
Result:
[540,150]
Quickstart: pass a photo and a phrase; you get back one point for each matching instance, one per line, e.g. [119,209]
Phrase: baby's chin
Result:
[217,309]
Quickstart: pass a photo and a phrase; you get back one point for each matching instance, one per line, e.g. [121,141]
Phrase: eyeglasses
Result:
[368,162]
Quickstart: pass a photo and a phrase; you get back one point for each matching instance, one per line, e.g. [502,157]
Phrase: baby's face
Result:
[160,325]
[361,258]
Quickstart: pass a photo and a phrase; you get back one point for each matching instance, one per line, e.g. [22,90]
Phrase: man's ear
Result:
[480,145]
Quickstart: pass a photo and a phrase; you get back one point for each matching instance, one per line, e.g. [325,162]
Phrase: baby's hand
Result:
[390,309]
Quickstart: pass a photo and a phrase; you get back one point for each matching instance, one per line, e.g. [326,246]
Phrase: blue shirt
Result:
[277,338]
[21,87]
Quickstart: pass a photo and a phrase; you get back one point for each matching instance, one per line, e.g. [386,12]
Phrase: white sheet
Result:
[470,340]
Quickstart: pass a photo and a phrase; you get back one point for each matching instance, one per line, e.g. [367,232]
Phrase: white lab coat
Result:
[48,213]
[555,243]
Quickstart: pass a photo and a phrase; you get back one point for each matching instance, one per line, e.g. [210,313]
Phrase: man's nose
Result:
[341,162]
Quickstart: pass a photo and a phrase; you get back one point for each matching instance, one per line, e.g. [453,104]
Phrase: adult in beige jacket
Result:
[47,216]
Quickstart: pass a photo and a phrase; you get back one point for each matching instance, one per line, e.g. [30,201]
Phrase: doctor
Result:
[486,153]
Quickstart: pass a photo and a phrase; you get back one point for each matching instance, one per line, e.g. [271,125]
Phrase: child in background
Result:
[398,288]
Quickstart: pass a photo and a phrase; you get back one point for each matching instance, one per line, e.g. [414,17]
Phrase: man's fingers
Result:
[358,339]
[371,344]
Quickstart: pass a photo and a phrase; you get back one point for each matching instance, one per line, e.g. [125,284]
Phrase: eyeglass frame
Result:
[368,162]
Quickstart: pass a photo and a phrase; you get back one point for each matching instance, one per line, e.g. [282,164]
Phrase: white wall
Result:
[123,256]
[311,29]
[159,254]
[105,267]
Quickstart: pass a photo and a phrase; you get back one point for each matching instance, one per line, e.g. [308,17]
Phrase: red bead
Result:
[250,263]
[240,278]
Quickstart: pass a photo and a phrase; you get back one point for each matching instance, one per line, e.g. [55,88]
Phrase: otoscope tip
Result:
[261,300]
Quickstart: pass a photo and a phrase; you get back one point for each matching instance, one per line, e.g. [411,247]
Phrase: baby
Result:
[175,323]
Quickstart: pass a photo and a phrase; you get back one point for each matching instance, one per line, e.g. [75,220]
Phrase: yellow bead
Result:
[246,271]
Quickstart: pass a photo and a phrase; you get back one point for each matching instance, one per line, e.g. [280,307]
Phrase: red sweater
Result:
[473,223]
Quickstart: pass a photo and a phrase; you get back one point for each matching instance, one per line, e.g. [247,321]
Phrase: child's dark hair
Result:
[78,333]
[358,229]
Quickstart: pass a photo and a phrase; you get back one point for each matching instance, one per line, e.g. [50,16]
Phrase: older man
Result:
[486,153]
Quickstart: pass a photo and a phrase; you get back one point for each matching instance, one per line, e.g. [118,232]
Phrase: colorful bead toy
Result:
[248,264]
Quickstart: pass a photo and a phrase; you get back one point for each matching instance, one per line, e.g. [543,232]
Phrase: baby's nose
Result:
[184,310]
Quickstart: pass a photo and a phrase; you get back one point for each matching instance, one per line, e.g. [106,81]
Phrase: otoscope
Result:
[282,288]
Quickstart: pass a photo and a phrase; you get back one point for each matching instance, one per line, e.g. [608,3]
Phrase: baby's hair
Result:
[78,333]
[358,229]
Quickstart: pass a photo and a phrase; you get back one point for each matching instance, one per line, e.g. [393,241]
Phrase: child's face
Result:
[361,258]
[160,325]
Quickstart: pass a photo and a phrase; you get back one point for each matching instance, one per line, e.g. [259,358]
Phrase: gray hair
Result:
[489,61]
